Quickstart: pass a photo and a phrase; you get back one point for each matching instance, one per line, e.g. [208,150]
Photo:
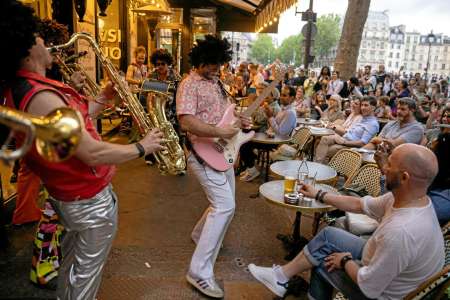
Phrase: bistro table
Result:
[307,122]
[322,172]
[367,155]
[265,144]
[273,192]
[318,132]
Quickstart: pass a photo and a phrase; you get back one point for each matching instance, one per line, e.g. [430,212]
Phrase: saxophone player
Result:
[80,188]
[162,63]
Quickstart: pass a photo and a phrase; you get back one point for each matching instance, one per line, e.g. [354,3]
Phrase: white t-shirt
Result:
[406,249]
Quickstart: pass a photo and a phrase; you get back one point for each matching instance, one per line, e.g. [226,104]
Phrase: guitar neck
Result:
[254,106]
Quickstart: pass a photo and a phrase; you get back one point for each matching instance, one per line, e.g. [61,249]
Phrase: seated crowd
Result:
[407,123]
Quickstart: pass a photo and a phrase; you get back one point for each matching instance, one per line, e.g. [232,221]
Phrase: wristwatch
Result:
[345,260]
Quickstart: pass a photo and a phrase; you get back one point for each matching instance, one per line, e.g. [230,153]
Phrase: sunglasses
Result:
[160,64]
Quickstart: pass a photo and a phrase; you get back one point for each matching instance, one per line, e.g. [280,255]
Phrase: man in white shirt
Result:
[406,249]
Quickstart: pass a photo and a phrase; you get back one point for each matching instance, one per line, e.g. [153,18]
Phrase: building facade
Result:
[411,58]
[427,54]
[240,42]
[375,39]
[396,53]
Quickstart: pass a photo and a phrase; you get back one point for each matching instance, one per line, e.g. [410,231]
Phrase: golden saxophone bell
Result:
[57,134]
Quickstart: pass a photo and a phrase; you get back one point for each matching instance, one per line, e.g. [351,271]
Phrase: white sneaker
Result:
[267,277]
[252,173]
[209,287]
[243,174]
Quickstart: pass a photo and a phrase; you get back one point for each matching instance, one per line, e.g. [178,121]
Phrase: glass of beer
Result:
[289,184]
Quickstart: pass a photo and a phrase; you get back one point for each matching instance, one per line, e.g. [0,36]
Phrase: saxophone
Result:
[170,161]
[69,65]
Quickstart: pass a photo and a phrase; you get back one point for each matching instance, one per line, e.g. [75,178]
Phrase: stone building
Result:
[375,40]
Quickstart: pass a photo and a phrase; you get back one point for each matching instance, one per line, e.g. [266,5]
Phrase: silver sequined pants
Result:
[90,226]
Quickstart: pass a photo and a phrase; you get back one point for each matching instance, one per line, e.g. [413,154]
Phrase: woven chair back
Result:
[346,162]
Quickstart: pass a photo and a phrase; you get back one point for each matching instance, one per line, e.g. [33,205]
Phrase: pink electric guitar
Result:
[220,154]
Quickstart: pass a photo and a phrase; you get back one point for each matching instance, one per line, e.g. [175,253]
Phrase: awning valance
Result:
[270,14]
[267,12]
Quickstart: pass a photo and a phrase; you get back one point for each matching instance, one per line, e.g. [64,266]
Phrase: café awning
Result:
[267,12]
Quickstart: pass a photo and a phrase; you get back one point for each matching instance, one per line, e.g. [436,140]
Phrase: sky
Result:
[420,15]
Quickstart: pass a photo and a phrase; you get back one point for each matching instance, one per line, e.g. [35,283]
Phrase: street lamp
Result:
[430,39]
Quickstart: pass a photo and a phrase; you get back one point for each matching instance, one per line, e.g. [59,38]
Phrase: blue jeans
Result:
[441,203]
[328,241]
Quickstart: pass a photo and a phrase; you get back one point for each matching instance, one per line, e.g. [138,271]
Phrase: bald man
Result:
[405,250]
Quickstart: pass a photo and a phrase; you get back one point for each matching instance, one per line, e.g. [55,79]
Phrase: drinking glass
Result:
[301,180]
[310,181]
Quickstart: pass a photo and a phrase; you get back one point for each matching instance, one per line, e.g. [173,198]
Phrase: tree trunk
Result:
[348,49]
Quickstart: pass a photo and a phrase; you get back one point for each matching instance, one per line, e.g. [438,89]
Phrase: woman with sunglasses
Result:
[162,62]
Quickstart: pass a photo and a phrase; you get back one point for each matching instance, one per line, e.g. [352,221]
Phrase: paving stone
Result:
[156,216]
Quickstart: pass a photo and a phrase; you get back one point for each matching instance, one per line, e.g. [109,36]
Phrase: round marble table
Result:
[273,192]
[307,122]
[367,155]
[266,144]
[317,133]
[320,131]
[287,167]
[262,138]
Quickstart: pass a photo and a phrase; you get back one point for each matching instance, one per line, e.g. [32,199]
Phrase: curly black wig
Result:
[18,26]
[52,32]
[210,51]
[162,55]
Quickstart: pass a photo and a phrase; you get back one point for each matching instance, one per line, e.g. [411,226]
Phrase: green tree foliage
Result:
[328,34]
[291,50]
[262,49]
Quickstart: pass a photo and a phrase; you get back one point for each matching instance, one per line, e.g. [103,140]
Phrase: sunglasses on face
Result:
[160,64]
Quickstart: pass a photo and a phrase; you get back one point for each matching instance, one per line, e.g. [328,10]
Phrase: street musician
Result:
[80,188]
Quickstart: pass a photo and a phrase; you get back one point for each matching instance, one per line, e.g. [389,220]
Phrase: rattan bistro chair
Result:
[346,162]
[298,143]
[300,139]
[368,177]
[435,287]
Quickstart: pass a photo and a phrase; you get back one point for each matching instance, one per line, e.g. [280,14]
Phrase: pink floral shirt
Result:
[202,98]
